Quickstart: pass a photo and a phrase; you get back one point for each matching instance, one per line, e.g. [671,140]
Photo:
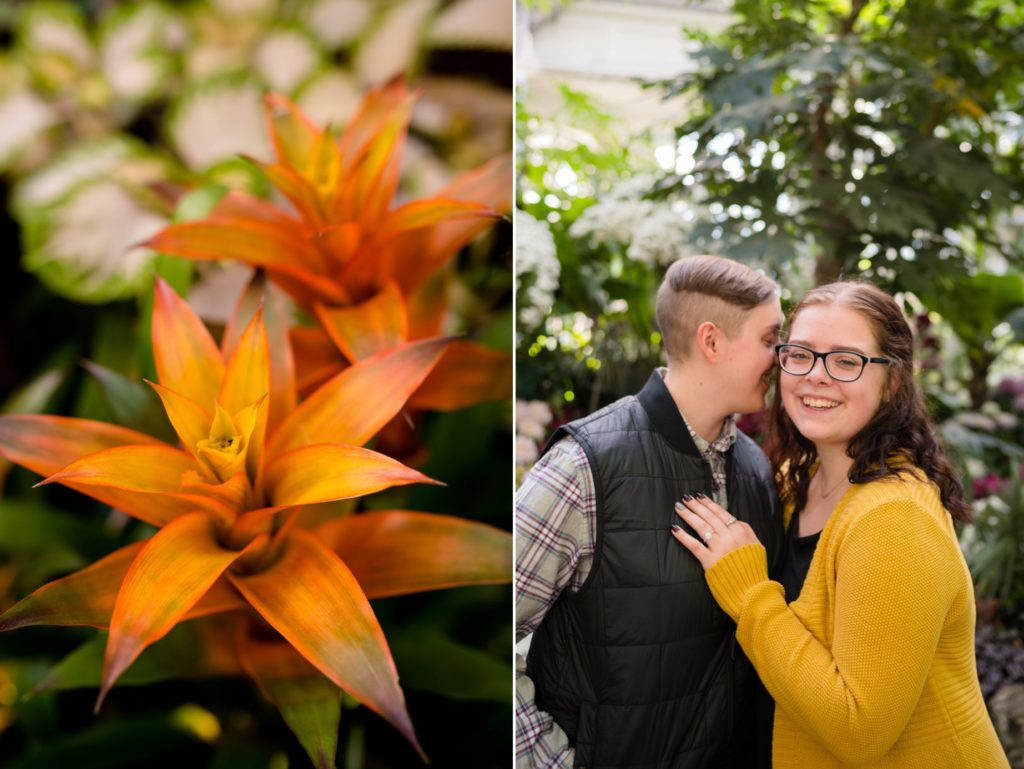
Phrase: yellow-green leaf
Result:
[311,598]
[308,701]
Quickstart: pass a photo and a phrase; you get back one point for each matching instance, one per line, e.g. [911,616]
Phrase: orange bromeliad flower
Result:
[232,535]
[346,255]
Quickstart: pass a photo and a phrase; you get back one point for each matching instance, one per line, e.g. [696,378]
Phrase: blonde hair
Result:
[707,288]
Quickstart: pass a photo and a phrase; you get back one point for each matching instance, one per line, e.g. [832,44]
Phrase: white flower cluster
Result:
[537,270]
[652,231]
[616,214]
[532,419]
[659,238]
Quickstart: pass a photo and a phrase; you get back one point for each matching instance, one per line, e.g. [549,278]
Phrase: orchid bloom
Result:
[231,535]
[346,255]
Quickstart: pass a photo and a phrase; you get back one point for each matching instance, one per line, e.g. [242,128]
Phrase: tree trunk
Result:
[978,386]
[828,268]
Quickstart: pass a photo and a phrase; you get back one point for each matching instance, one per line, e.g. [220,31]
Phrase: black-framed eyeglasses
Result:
[841,365]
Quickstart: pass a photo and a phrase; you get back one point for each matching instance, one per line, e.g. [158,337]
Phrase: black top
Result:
[796,560]
[797,553]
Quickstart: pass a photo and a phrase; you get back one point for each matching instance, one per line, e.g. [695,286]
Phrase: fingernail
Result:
[688,497]
[680,507]
[676,528]
[700,496]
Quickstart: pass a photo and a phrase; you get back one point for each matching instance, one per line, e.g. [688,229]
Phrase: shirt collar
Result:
[719,445]
[656,398]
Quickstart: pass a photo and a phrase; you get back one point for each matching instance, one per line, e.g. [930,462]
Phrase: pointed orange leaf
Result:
[309,702]
[155,508]
[325,169]
[326,472]
[247,376]
[282,363]
[492,185]
[142,481]
[83,598]
[187,358]
[293,134]
[354,405]
[430,212]
[427,305]
[253,241]
[378,105]
[361,330]
[298,189]
[378,173]
[241,205]
[190,420]
[87,596]
[174,569]
[46,444]
[311,598]
[306,287]
[394,552]
[467,374]
[133,468]
[317,358]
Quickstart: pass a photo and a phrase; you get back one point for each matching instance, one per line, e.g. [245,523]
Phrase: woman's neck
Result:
[833,466]
[827,487]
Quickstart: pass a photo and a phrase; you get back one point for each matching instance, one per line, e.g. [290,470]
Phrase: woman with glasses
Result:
[866,641]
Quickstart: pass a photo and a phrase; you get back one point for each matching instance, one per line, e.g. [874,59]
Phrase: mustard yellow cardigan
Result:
[873,664]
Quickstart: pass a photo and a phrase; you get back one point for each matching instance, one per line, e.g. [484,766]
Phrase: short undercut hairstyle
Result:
[707,288]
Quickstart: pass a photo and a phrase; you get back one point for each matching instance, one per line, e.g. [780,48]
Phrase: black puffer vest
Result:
[640,667]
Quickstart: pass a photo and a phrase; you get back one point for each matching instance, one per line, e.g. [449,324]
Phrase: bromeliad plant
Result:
[232,536]
[343,252]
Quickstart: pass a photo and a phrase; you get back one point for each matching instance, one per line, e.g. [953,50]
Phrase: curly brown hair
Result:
[900,431]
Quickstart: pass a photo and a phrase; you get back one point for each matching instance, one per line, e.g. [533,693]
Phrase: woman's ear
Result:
[708,340]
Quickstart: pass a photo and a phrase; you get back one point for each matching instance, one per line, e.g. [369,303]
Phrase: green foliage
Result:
[879,136]
[595,340]
[994,544]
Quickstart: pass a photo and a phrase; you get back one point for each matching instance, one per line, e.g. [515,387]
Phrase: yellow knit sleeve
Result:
[733,575]
[895,581]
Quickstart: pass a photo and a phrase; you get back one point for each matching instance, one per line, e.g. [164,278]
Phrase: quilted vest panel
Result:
[640,667]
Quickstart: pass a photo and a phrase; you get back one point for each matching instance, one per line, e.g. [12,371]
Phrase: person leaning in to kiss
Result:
[867,645]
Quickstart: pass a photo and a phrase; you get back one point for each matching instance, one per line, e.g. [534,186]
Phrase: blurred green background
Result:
[107,110]
[875,138]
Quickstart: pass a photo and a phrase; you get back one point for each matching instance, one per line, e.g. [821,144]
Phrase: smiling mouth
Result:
[819,404]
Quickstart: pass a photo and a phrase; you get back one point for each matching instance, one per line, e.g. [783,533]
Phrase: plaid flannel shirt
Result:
[555,524]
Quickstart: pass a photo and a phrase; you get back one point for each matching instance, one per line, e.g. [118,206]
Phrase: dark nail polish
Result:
[676,528]
[700,496]
[688,497]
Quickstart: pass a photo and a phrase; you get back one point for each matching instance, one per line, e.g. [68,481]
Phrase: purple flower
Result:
[751,424]
[987,485]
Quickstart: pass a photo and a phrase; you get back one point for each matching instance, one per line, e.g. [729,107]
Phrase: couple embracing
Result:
[696,604]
